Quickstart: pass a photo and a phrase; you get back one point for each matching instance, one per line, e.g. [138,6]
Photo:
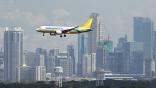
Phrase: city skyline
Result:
[128,59]
[121,45]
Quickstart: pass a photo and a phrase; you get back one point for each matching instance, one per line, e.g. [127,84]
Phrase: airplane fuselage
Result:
[62,30]
[58,29]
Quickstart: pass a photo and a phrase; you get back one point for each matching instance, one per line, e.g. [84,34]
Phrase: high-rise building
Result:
[29,58]
[52,58]
[121,53]
[115,62]
[93,62]
[40,73]
[143,32]
[101,58]
[89,64]
[92,36]
[1,66]
[54,52]
[41,59]
[13,49]
[120,45]
[87,42]
[70,51]
[106,44]
[82,49]
[135,58]
[100,77]
[101,31]
[66,63]
[27,74]
[58,75]
[104,47]
[154,48]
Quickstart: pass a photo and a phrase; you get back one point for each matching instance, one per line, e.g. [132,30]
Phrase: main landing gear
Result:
[63,35]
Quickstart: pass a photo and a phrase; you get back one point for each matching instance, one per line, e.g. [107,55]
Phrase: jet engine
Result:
[58,32]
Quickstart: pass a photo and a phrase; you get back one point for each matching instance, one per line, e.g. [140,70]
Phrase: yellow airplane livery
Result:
[63,31]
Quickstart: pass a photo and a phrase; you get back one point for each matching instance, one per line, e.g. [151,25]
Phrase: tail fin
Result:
[88,24]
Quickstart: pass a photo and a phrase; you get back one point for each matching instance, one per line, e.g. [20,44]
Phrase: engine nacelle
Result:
[58,32]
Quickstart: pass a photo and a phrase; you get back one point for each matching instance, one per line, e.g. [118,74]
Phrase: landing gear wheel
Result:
[60,35]
[64,35]
[43,34]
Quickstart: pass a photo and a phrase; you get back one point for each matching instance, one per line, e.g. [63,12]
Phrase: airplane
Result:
[63,31]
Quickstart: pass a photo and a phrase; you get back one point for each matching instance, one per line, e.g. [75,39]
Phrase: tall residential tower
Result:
[13,48]
[143,32]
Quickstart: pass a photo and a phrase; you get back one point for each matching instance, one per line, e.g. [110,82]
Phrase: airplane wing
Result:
[65,31]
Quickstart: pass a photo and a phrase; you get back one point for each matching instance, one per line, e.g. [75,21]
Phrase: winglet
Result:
[88,24]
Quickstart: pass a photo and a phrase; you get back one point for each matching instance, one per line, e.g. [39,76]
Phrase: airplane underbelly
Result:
[73,32]
[48,31]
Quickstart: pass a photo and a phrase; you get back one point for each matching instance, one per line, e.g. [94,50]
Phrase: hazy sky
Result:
[117,17]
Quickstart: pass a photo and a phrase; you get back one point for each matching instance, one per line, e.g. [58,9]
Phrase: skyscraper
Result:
[135,57]
[41,59]
[121,55]
[82,49]
[104,47]
[52,58]
[115,62]
[143,32]
[1,66]
[66,63]
[89,64]
[92,36]
[40,73]
[70,51]
[29,58]
[58,71]
[13,48]
[87,42]
[154,48]
[27,74]
[100,58]
[154,45]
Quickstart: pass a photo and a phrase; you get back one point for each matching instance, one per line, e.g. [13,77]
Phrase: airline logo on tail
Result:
[62,30]
[87,25]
